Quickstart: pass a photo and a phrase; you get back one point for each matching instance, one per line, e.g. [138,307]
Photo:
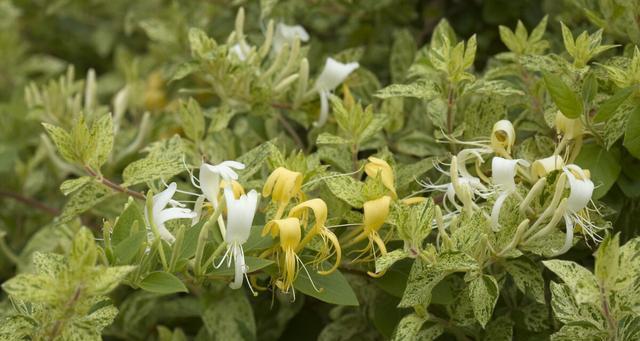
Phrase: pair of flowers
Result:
[240,211]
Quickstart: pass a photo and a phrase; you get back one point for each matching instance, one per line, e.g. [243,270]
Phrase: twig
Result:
[289,128]
[114,185]
[30,202]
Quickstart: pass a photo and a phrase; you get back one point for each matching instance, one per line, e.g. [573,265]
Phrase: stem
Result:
[451,115]
[202,239]
[30,202]
[114,185]
[215,254]
[611,322]
[292,132]
[9,253]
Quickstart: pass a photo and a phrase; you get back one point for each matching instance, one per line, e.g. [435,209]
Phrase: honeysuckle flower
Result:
[378,167]
[577,213]
[503,173]
[287,34]
[503,136]
[375,214]
[567,127]
[331,76]
[235,186]
[160,214]
[289,231]
[240,213]
[283,185]
[329,239]
[542,167]
[240,50]
[211,176]
[413,200]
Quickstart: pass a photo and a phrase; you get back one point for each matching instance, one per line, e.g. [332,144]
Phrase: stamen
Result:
[308,275]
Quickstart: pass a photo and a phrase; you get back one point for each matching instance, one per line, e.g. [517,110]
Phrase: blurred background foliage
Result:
[140,43]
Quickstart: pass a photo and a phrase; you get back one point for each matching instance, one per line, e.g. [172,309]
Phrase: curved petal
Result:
[495,211]
[171,214]
[324,108]
[336,246]
[333,74]
[240,268]
[319,208]
[240,215]
[161,200]
[209,182]
[503,173]
[581,192]
[568,240]
[375,213]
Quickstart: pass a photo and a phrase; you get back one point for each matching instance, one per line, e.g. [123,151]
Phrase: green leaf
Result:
[128,248]
[346,188]
[608,261]
[569,103]
[107,278]
[483,292]
[333,288]
[402,54]
[609,107]
[527,276]
[124,225]
[161,282]
[191,119]
[603,164]
[580,280]
[83,252]
[230,317]
[632,134]
[408,327]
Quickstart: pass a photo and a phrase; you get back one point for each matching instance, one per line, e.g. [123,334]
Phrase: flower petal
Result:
[333,74]
[581,192]
[161,200]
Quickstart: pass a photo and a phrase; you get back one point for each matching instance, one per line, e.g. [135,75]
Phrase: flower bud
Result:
[503,136]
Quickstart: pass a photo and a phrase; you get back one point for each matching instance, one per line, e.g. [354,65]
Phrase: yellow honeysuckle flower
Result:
[290,233]
[503,136]
[375,214]
[380,167]
[282,185]
[569,128]
[319,208]
[236,187]
[542,167]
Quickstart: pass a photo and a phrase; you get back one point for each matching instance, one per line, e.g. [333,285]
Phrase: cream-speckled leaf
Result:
[527,276]
[499,329]
[483,292]
[425,90]
[62,139]
[82,200]
[430,333]
[102,317]
[581,281]
[385,261]
[567,310]
[614,128]
[629,328]
[163,162]
[345,188]
[535,317]
[547,245]
[582,333]
[328,138]
[422,279]
[32,288]
[408,328]
[106,279]
[102,136]
[72,185]
[230,317]
[255,159]
[16,328]
[630,259]
[410,173]
[50,264]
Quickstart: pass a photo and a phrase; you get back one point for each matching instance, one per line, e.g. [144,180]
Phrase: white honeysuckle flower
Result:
[542,167]
[210,177]
[160,214]
[577,212]
[240,213]
[331,76]
[503,174]
[240,50]
[287,34]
